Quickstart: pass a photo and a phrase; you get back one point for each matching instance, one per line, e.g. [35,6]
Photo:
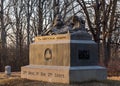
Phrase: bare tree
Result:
[40,14]
[3,34]
[51,8]
[4,22]
[17,6]
[103,24]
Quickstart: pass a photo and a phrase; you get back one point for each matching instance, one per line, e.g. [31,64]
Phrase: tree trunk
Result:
[28,24]
[107,53]
[40,14]
[3,37]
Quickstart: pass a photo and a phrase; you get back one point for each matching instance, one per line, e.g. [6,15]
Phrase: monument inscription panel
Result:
[48,73]
[43,74]
[83,54]
[52,38]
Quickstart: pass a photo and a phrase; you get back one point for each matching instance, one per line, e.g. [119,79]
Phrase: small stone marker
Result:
[8,70]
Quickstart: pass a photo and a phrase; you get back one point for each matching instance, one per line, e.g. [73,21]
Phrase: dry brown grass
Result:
[15,80]
[114,78]
[14,75]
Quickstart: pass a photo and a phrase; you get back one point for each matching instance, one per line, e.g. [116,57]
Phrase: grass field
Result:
[15,80]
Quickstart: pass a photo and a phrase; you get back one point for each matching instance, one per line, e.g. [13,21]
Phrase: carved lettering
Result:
[59,75]
[61,37]
[45,38]
[24,72]
[37,73]
[50,74]
[43,74]
[31,73]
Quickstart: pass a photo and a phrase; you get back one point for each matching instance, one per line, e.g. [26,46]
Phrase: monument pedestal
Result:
[63,59]
[63,74]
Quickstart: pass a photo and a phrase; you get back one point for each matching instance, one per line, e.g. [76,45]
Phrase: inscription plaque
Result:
[43,74]
[83,54]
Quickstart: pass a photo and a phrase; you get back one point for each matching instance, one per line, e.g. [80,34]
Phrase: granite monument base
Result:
[63,74]
[63,58]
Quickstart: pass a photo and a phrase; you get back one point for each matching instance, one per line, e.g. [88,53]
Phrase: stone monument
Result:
[65,54]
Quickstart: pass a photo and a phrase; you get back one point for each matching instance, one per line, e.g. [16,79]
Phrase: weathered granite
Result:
[63,59]
[64,52]
[63,74]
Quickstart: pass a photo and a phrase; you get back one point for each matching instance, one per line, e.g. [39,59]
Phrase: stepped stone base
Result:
[63,74]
